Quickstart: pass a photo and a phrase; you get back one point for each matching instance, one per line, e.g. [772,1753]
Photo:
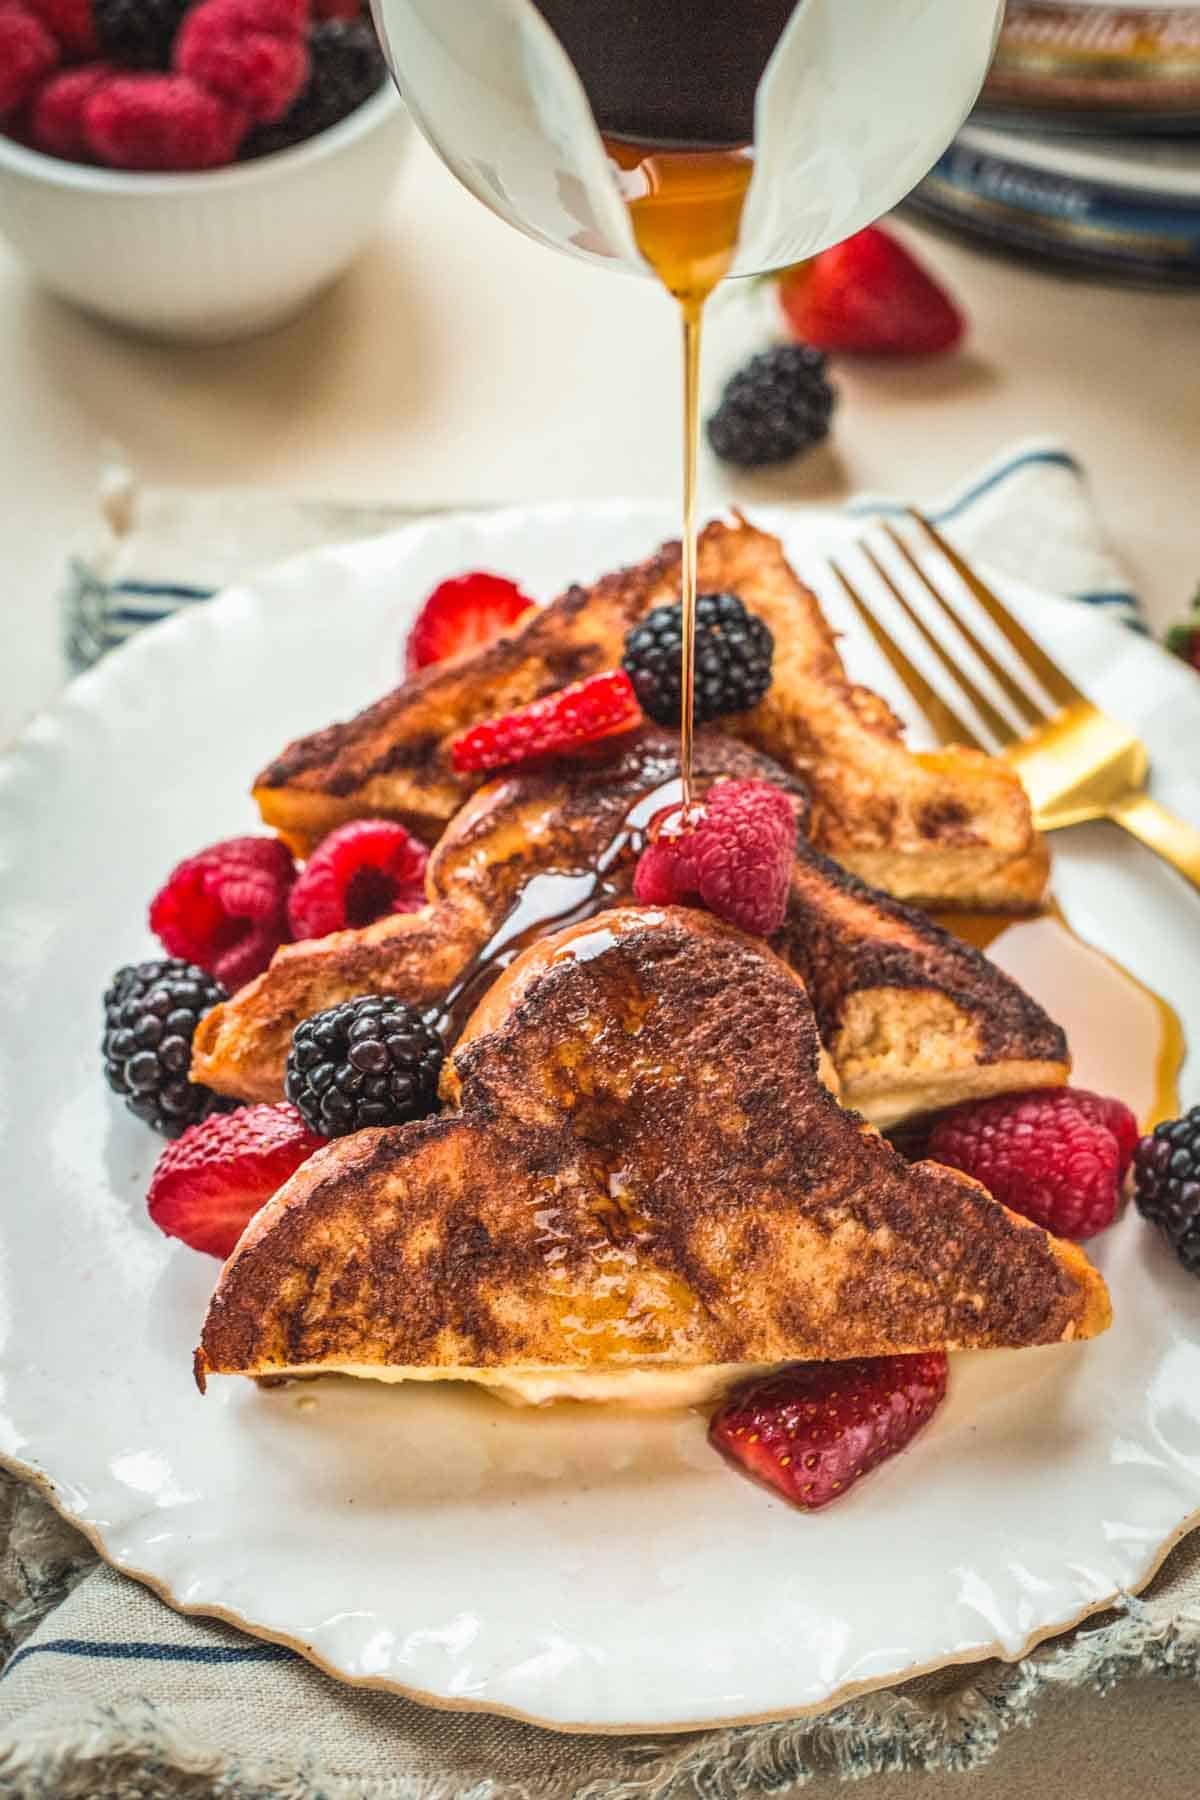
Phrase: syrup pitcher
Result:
[846,104]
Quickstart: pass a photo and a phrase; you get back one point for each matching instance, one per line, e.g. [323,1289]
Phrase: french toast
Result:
[950,828]
[912,1018]
[543,1232]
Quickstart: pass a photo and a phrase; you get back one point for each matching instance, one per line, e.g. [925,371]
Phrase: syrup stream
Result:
[685,207]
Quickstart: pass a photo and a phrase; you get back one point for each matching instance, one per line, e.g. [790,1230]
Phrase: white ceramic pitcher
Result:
[857,102]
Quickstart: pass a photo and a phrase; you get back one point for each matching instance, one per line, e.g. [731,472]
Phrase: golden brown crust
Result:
[874,967]
[554,1222]
[950,828]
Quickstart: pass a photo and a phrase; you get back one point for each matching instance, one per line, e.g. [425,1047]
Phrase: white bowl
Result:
[208,256]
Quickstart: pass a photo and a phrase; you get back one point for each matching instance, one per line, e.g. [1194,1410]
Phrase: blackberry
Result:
[138,34]
[151,1012]
[1166,1184]
[347,68]
[777,405]
[734,649]
[373,1061]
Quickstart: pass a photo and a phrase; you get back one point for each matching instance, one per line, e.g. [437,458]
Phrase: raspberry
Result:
[373,1061]
[165,122]
[226,907]
[257,68]
[565,721]
[209,1184]
[72,22]
[462,614]
[27,54]
[1166,1184]
[1119,1119]
[1051,1155]
[151,1012]
[734,651]
[56,120]
[811,1430]
[733,852]
[347,68]
[776,406]
[361,871]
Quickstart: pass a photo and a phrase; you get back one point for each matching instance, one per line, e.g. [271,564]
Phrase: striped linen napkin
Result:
[1027,514]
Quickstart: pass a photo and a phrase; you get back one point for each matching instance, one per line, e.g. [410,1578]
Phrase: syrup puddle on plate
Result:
[1124,1039]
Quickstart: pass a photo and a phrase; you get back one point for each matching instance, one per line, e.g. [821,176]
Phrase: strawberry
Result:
[574,716]
[869,295]
[812,1429]
[1055,1155]
[210,1182]
[463,614]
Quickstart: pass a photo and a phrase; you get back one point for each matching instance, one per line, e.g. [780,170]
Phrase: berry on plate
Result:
[209,1184]
[463,614]
[1166,1184]
[734,651]
[226,907]
[870,295]
[151,1012]
[360,872]
[254,66]
[373,1061]
[1056,1155]
[28,53]
[167,122]
[56,117]
[733,852]
[580,714]
[779,404]
[811,1430]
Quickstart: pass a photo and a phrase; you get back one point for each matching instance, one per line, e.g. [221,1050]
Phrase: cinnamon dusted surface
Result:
[947,829]
[912,1017]
[550,1221]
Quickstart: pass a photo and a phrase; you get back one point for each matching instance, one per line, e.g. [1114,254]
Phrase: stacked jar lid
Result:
[1085,146]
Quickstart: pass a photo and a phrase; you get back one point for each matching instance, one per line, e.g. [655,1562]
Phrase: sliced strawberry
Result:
[360,872]
[463,614]
[210,1182]
[576,715]
[813,1429]
[869,295]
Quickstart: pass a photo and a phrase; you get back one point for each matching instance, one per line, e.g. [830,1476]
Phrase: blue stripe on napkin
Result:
[151,1652]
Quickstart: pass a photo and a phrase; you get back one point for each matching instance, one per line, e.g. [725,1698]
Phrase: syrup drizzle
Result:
[685,207]
[551,900]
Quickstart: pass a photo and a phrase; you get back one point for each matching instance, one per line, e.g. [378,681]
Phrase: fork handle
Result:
[1175,841]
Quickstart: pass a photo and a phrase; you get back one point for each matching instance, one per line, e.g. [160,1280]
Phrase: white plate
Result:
[582,1568]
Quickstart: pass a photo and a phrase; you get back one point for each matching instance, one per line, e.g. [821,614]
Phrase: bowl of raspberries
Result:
[192,169]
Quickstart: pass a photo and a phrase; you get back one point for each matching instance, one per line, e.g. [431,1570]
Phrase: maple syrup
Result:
[685,207]
[550,900]
[1125,1038]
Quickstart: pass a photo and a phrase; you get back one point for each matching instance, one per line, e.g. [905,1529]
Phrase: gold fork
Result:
[1075,762]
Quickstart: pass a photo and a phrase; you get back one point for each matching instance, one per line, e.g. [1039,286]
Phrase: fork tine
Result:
[996,723]
[1026,706]
[1061,690]
[947,725]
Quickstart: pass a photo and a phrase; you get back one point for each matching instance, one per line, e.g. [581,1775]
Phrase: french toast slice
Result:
[546,1229]
[913,1018]
[950,828]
